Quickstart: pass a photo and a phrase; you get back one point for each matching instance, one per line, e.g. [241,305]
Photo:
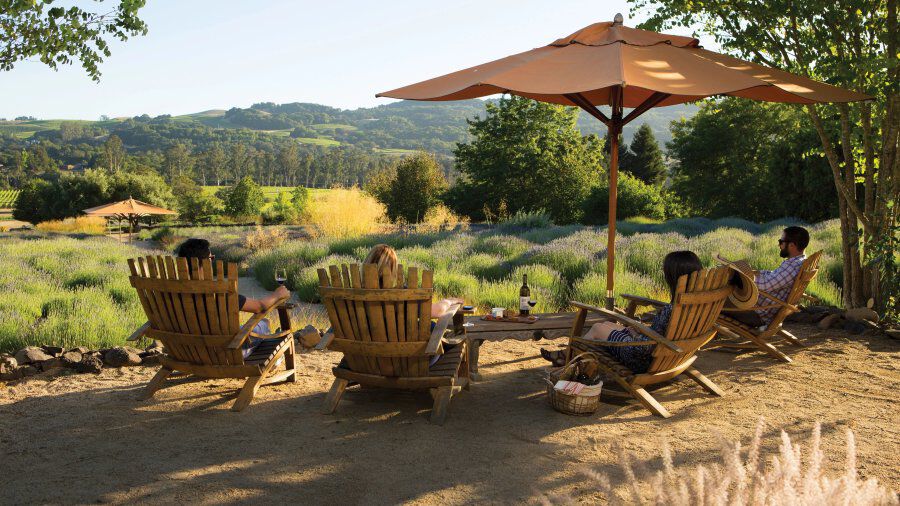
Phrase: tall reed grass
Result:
[342,213]
[745,478]
[93,225]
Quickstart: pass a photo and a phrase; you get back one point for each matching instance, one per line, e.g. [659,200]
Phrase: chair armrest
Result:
[640,327]
[139,333]
[775,300]
[439,329]
[247,328]
[642,301]
[325,342]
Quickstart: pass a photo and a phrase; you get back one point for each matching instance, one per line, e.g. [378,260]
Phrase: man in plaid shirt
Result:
[780,281]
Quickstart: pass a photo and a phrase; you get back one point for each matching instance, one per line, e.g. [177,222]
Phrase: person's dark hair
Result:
[677,264]
[797,235]
[194,248]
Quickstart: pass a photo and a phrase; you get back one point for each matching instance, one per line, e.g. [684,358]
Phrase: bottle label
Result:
[523,304]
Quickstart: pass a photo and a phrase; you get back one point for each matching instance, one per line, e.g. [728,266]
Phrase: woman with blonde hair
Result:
[385,257]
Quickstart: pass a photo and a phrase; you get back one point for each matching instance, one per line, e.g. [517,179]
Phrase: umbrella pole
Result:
[611,230]
[615,128]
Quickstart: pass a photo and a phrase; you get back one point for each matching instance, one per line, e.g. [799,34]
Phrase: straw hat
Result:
[745,293]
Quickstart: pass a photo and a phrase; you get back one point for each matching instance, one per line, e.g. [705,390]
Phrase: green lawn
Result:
[330,127]
[318,141]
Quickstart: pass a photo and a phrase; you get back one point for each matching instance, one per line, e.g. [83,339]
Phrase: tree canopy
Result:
[60,34]
[527,155]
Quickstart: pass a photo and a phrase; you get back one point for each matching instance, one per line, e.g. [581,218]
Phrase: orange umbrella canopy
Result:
[596,59]
[130,207]
[615,65]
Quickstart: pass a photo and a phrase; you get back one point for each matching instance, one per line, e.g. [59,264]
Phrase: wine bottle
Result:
[524,297]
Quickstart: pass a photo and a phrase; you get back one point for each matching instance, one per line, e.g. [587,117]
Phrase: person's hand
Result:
[282,291]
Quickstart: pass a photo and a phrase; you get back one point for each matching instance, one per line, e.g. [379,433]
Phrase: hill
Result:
[393,128]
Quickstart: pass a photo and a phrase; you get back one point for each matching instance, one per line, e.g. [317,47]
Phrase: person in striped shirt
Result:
[778,282]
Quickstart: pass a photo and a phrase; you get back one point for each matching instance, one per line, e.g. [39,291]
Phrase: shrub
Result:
[93,225]
[440,218]
[292,256]
[265,238]
[508,247]
[343,213]
[523,220]
[304,282]
[634,198]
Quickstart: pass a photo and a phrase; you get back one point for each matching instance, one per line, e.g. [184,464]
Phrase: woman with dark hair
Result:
[638,358]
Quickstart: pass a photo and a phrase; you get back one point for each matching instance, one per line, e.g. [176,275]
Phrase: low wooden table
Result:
[548,326]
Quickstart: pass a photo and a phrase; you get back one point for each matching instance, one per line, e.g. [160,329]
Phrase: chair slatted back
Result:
[192,308]
[381,320]
[809,269]
[699,298]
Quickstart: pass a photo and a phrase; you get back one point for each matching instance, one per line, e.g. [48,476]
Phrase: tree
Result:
[243,200]
[765,163]
[178,161]
[529,156]
[193,203]
[289,162]
[57,35]
[645,160]
[415,187]
[113,157]
[849,43]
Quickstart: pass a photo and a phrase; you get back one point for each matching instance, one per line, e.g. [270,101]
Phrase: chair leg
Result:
[441,403]
[703,381]
[771,349]
[790,338]
[247,393]
[156,383]
[334,395]
[644,398]
[290,362]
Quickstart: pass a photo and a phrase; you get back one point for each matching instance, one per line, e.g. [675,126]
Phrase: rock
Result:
[308,336]
[53,350]
[8,365]
[28,370]
[829,321]
[71,358]
[821,309]
[120,356]
[155,345]
[31,354]
[861,313]
[80,349]
[89,363]
[895,333]
[10,375]
[855,327]
[152,359]
[53,363]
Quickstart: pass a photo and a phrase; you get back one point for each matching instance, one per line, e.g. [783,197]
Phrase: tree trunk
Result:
[857,291]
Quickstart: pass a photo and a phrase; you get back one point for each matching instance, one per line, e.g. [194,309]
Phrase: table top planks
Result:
[548,326]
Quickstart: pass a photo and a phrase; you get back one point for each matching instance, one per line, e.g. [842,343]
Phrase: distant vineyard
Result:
[8,198]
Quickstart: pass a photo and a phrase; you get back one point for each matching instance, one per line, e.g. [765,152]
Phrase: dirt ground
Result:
[87,439]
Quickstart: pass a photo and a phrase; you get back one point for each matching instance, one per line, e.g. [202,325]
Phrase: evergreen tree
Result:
[645,161]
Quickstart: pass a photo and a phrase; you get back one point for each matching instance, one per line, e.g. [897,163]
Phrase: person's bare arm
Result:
[262,305]
[439,308]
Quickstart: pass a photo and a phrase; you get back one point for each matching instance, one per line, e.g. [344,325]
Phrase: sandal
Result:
[557,358]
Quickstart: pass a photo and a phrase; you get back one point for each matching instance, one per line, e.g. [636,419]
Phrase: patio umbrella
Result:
[622,67]
[131,210]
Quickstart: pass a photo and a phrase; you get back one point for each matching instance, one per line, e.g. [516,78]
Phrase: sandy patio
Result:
[86,439]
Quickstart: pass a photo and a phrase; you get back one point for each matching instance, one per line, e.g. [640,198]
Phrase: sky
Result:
[218,54]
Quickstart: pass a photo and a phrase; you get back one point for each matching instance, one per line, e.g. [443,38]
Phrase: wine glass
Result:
[280,276]
[532,303]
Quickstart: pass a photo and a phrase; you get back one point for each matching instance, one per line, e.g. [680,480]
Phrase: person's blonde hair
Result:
[384,257]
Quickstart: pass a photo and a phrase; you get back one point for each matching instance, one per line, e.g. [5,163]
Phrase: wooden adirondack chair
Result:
[194,312]
[761,338]
[382,324]
[698,300]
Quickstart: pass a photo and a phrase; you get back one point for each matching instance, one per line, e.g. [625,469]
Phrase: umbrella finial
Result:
[618,20]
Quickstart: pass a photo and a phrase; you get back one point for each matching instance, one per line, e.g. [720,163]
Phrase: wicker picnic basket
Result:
[572,404]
